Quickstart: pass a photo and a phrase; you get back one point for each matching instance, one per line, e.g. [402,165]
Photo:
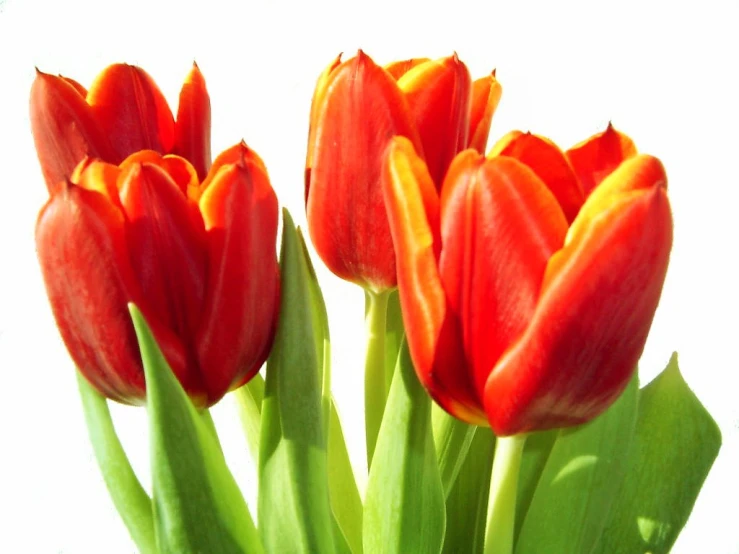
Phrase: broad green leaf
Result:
[197,505]
[320,332]
[452,439]
[294,511]
[583,473]
[535,456]
[675,445]
[404,507]
[467,501]
[346,504]
[129,497]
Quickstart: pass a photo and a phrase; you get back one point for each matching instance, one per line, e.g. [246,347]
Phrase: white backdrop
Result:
[662,72]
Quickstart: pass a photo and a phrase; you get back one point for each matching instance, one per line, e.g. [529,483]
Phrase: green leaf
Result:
[535,456]
[346,503]
[404,505]
[675,446]
[320,332]
[294,510]
[394,333]
[197,505]
[249,402]
[452,438]
[466,503]
[582,475]
[129,497]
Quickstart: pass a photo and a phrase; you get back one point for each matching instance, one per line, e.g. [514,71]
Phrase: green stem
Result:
[502,500]
[129,497]
[375,389]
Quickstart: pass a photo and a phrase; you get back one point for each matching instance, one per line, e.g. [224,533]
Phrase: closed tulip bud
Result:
[357,107]
[123,112]
[529,283]
[198,259]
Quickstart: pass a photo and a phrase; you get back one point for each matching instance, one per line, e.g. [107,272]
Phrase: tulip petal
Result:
[550,165]
[641,172]
[486,93]
[132,111]
[316,103]
[78,87]
[166,250]
[362,110]
[192,127]
[596,308]
[400,68]
[432,330]
[81,245]
[98,176]
[438,94]
[242,300]
[64,129]
[595,158]
[499,227]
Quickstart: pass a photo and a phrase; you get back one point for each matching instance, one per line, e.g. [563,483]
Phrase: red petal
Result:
[132,111]
[242,301]
[192,128]
[486,93]
[400,68]
[64,129]
[595,311]
[432,329]
[78,87]
[362,109]
[595,158]
[550,165]
[98,176]
[439,94]
[166,248]
[315,107]
[499,227]
[81,246]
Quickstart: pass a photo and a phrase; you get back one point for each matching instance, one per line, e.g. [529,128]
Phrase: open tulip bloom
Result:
[509,299]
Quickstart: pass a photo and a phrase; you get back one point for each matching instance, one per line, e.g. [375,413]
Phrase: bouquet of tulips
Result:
[509,295]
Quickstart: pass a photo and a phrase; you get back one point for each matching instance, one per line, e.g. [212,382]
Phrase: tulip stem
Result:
[375,385]
[503,489]
[129,497]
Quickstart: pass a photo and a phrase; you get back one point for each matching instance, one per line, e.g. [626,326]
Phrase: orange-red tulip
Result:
[198,259]
[357,107]
[123,112]
[529,283]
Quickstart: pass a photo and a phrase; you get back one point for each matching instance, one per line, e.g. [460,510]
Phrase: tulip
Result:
[197,258]
[357,107]
[123,112]
[529,283]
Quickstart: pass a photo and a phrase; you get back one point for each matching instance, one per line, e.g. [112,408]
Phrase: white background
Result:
[663,72]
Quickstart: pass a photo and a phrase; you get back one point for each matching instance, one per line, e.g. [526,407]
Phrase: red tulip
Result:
[357,107]
[198,259]
[123,112]
[527,297]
